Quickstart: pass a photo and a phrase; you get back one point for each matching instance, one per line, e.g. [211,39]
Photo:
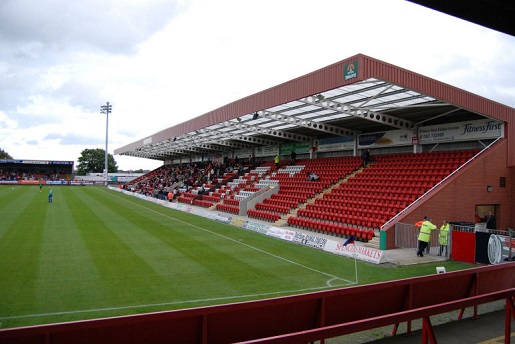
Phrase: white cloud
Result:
[6,123]
[160,62]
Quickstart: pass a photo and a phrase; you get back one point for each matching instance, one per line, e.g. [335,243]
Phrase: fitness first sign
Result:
[462,131]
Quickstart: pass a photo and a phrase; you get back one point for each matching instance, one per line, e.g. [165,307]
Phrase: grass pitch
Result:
[95,253]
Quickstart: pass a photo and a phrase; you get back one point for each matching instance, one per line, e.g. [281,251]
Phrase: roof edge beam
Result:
[232,144]
[270,131]
[357,112]
[255,140]
[306,123]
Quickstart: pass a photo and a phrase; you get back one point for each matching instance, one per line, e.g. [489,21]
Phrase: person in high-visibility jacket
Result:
[425,235]
[443,238]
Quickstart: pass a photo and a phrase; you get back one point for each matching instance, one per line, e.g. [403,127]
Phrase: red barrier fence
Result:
[293,319]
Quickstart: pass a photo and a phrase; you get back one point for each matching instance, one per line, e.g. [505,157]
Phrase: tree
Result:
[93,161]
[4,154]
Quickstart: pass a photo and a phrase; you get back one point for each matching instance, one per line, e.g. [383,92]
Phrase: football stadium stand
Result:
[434,150]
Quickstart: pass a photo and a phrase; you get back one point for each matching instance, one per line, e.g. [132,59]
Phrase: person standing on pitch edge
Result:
[50,195]
[425,235]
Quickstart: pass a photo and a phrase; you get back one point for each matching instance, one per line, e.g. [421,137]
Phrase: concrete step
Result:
[374,243]
[281,223]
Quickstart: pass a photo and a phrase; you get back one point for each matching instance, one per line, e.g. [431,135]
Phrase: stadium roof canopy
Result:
[355,96]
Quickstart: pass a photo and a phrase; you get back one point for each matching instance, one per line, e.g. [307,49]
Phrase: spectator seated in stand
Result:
[163,180]
[312,176]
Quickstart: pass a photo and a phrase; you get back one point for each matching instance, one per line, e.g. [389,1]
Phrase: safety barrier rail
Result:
[294,319]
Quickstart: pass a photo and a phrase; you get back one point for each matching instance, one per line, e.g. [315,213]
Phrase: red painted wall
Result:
[464,246]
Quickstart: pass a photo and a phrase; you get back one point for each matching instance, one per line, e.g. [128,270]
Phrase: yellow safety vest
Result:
[443,237]
[425,231]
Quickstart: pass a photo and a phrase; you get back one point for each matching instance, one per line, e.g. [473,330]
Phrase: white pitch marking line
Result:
[328,283]
[155,304]
[239,242]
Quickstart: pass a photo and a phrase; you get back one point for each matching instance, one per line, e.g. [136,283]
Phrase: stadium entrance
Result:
[486,216]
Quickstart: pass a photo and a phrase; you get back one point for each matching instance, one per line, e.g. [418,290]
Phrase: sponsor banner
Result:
[385,139]
[463,131]
[85,182]
[152,199]
[367,254]
[243,154]
[29,182]
[350,70]
[236,221]
[172,205]
[31,162]
[54,182]
[61,162]
[8,182]
[140,196]
[198,212]
[267,151]
[218,217]
[163,202]
[256,227]
[211,216]
[35,162]
[499,247]
[74,182]
[334,144]
[122,179]
[281,233]
[298,147]
[178,206]
[309,240]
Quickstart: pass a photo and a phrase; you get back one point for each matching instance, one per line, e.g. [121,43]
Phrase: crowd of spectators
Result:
[181,178]
[10,175]
[16,175]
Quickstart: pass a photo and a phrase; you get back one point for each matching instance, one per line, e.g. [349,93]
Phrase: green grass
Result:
[96,253]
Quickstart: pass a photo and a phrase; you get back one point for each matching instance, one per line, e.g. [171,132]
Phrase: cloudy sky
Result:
[162,62]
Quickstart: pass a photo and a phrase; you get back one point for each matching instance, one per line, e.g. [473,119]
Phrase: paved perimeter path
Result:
[487,329]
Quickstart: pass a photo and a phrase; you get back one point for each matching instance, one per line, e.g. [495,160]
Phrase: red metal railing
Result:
[294,319]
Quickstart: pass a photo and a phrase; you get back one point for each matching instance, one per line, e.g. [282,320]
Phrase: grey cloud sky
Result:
[44,42]
[73,139]
[161,62]
[57,25]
